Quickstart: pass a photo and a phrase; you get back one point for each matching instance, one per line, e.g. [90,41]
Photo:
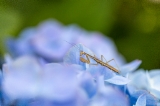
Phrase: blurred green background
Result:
[134,25]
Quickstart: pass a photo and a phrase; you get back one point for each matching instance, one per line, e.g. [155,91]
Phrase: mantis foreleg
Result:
[87,60]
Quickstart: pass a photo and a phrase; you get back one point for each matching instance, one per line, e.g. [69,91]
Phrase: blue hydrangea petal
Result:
[153,73]
[155,92]
[150,99]
[118,80]
[87,83]
[20,77]
[77,67]
[73,55]
[108,96]
[61,82]
[141,101]
[132,66]
[101,45]
[50,40]
[21,45]
[155,84]
[99,70]
[139,79]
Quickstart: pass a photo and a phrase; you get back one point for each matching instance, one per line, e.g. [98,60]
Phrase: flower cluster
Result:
[46,71]
[51,40]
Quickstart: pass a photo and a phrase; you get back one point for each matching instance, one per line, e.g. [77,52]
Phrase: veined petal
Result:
[118,80]
[155,92]
[21,77]
[155,72]
[108,96]
[155,83]
[99,70]
[141,101]
[139,79]
[150,99]
[87,83]
[73,55]
[130,67]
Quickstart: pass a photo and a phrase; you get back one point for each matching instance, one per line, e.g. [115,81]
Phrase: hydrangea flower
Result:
[50,40]
[46,70]
[41,80]
[147,80]
[28,81]
[73,57]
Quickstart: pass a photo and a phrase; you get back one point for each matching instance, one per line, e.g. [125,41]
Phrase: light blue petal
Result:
[139,79]
[87,83]
[102,45]
[21,77]
[132,66]
[118,80]
[108,96]
[155,72]
[150,99]
[21,45]
[141,101]
[155,92]
[50,42]
[60,84]
[73,55]
[155,82]
[8,59]
[99,70]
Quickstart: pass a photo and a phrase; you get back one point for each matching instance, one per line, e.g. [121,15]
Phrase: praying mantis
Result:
[97,60]
[101,62]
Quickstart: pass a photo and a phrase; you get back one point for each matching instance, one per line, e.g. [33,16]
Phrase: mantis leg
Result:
[89,60]
[109,61]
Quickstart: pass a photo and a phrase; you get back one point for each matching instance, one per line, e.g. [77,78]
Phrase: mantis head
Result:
[81,53]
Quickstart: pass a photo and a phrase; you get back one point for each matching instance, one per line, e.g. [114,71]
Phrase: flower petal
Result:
[73,55]
[130,67]
[139,79]
[150,99]
[141,101]
[118,80]
[99,70]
